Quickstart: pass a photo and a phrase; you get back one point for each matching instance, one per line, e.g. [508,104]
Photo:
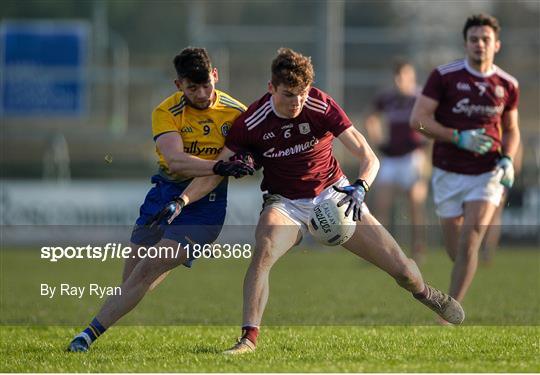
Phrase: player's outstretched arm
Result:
[369,166]
[184,164]
[358,146]
[201,186]
[171,147]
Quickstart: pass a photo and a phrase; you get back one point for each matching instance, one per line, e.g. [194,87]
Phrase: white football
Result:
[328,224]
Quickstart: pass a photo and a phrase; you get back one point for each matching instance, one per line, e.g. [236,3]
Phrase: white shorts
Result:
[299,210]
[451,190]
[403,171]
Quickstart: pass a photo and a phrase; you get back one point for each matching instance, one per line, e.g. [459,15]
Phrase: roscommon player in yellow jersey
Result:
[189,128]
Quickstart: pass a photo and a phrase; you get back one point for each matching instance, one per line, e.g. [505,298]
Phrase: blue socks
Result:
[92,332]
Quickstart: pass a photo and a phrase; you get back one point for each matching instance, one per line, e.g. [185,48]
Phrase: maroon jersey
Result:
[470,100]
[396,108]
[296,154]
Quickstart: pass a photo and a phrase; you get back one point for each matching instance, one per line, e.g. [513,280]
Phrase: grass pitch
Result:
[292,349]
[328,312]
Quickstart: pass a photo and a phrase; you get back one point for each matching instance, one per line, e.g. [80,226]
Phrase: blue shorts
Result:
[200,222]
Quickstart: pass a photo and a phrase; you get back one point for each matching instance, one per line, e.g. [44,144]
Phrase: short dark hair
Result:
[482,20]
[194,64]
[399,64]
[292,69]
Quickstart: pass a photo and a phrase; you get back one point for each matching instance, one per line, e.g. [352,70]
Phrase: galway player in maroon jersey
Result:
[290,132]
[404,156]
[470,108]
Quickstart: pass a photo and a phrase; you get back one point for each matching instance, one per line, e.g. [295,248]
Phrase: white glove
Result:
[474,140]
[506,169]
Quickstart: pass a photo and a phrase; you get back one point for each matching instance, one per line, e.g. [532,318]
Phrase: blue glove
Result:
[355,194]
[473,140]
[506,169]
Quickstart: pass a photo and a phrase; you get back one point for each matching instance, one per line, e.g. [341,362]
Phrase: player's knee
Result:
[263,256]
[473,229]
[264,260]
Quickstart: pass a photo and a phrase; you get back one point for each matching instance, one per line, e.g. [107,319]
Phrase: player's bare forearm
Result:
[423,120]
[179,162]
[433,129]
[201,186]
[190,166]
[358,146]
[368,169]
[511,134]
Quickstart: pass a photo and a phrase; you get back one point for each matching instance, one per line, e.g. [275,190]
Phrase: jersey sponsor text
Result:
[296,149]
[194,149]
[464,106]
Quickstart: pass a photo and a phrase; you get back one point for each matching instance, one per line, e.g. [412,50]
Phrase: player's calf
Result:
[130,264]
[141,278]
[408,276]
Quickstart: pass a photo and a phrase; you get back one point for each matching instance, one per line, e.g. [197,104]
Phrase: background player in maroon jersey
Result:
[470,108]
[290,132]
[403,164]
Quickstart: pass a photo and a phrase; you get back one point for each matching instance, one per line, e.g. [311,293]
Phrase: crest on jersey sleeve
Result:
[225,128]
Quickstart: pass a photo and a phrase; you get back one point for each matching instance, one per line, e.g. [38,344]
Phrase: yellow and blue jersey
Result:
[203,132]
[203,135]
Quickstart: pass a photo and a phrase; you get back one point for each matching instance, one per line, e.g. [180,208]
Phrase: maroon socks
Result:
[250,333]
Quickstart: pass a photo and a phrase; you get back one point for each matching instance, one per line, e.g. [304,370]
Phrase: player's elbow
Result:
[181,171]
[421,116]
[418,115]
[175,165]
[376,164]
[178,165]
[415,120]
